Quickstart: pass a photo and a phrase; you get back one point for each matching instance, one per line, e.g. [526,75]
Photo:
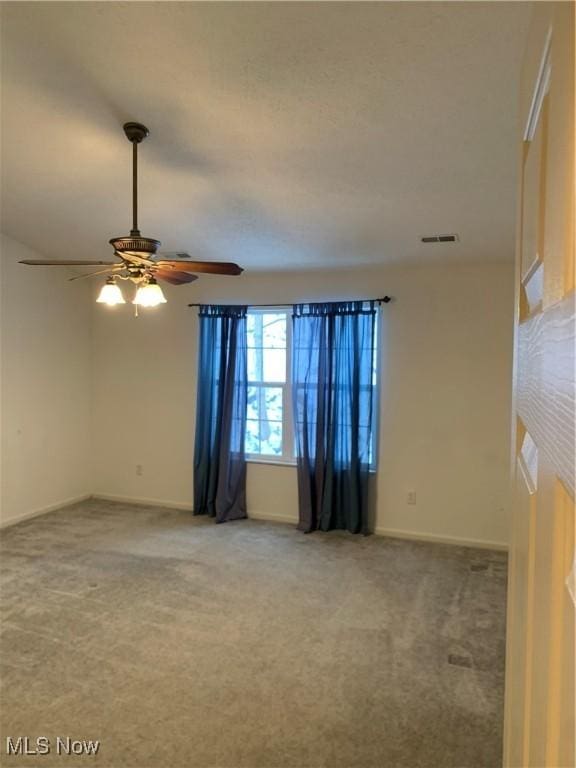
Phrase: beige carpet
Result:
[177,642]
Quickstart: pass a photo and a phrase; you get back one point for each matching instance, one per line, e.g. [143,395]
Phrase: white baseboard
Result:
[145,502]
[44,510]
[440,539]
[286,519]
[187,507]
[273,518]
[397,534]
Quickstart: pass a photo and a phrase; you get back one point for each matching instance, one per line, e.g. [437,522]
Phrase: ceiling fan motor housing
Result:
[139,243]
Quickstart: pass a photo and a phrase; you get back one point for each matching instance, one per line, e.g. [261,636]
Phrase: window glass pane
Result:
[252,440]
[271,445]
[255,364]
[274,365]
[274,330]
[254,329]
[266,363]
[271,408]
[253,411]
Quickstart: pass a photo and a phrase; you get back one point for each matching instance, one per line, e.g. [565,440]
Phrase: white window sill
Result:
[271,462]
[285,463]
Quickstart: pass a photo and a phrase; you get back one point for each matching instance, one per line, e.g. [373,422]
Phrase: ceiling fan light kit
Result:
[139,261]
[110,294]
[149,295]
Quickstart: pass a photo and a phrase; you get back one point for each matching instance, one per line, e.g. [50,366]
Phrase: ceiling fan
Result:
[137,258]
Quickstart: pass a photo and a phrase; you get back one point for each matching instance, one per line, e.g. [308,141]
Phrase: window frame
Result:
[288,455]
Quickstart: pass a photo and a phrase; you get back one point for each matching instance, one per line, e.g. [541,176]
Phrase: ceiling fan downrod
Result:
[135,133]
[135,242]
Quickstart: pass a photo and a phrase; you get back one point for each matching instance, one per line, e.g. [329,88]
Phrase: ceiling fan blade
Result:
[174,278]
[111,270]
[66,263]
[173,256]
[204,267]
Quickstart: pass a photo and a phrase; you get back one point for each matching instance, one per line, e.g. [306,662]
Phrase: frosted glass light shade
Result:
[110,294]
[149,295]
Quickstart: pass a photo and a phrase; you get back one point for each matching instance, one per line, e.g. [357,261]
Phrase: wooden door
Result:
[539,712]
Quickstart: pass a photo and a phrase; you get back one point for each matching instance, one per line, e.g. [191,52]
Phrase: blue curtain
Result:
[332,388]
[219,460]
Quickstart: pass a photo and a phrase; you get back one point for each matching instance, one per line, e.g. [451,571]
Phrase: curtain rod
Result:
[382,300]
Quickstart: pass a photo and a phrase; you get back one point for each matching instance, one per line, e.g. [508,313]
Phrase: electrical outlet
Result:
[139,469]
[411,497]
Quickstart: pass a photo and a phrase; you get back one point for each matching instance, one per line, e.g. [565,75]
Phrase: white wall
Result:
[45,375]
[445,400]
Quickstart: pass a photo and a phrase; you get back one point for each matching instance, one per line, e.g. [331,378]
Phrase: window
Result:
[268,424]
[269,431]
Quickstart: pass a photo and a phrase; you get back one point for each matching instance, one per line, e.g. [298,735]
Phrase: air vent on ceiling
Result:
[440,239]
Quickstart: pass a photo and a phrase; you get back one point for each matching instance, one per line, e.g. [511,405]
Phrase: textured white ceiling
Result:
[283,135]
